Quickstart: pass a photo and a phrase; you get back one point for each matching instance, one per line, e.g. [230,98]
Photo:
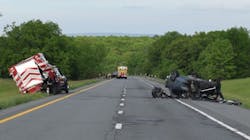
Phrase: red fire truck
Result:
[36,74]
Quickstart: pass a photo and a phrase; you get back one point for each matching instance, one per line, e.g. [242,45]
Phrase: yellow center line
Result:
[48,103]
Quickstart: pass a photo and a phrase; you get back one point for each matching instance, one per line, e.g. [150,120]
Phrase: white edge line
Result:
[215,120]
[236,131]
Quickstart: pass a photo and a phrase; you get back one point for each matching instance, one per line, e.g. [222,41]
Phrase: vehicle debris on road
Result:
[191,86]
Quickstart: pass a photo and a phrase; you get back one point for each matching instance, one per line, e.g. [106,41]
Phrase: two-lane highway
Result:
[117,110]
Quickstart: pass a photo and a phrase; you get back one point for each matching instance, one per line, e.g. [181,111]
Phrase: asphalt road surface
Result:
[123,109]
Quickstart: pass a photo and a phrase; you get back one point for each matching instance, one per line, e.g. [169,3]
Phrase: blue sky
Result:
[130,16]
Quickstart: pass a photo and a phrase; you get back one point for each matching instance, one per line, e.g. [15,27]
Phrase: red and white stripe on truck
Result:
[26,74]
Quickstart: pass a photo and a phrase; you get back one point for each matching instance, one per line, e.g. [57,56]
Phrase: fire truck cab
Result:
[122,72]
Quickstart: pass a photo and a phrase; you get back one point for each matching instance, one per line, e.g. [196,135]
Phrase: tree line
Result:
[216,54]
[78,57]
[29,38]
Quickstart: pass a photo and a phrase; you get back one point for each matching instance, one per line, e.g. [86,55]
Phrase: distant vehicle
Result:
[114,74]
[122,72]
[36,74]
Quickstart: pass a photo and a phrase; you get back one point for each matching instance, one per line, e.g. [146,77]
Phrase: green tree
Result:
[183,52]
[27,39]
[240,40]
[155,51]
[216,61]
[58,51]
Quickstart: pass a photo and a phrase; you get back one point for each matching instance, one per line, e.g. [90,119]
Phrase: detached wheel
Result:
[159,94]
[156,92]
[153,94]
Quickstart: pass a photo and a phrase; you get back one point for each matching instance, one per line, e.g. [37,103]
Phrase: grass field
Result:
[237,89]
[9,94]
[76,84]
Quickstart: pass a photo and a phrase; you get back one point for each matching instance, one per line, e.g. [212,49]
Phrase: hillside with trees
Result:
[77,57]
[216,54]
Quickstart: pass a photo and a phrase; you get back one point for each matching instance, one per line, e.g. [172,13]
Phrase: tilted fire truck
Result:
[36,74]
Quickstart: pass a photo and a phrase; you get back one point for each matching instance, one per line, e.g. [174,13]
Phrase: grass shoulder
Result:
[237,89]
[10,96]
[80,83]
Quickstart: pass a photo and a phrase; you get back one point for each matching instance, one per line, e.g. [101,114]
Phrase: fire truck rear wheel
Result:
[67,90]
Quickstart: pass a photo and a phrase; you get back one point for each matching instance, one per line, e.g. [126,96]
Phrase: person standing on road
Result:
[218,88]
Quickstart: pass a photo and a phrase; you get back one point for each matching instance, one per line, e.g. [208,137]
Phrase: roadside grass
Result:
[80,83]
[10,96]
[238,89]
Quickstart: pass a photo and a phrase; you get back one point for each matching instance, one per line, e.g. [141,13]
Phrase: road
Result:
[123,109]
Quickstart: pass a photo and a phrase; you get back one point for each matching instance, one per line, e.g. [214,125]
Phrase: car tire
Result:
[153,94]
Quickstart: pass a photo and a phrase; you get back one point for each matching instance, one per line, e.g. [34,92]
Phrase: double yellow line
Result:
[48,103]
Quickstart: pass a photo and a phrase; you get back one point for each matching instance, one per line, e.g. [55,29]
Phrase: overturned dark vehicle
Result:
[190,87]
